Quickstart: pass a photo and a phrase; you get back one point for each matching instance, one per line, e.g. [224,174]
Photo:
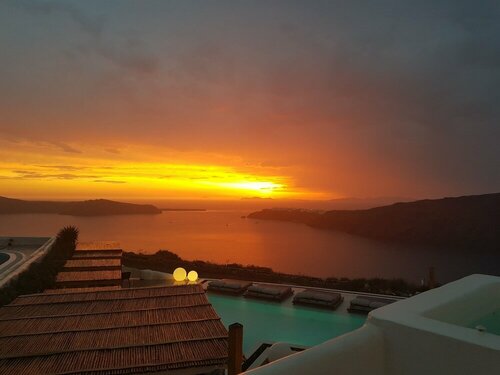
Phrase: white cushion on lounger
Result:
[358,301]
[227,284]
[376,305]
[217,283]
[266,290]
[318,296]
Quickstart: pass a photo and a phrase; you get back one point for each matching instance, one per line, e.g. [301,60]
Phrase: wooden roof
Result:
[89,289]
[93,263]
[112,332]
[97,246]
[97,254]
[88,276]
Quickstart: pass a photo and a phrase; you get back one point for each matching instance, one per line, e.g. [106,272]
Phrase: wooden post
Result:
[235,355]
[432,278]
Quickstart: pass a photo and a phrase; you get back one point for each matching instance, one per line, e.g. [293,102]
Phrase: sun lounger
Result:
[364,305]
[235,287]
[330,300]
[269,292]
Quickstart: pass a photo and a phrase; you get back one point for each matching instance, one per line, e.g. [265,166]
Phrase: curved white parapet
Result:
[358,352]
[36,256]
[431,334]
[22,241]
[427,334]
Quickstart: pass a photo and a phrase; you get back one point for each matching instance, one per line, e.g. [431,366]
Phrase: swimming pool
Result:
[272,322]
[490,322]
[4,257]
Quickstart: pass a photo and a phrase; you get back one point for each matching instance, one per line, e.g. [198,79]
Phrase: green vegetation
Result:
[166,261]
[41,275]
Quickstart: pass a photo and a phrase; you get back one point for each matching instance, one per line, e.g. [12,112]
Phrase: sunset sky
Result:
[232,99]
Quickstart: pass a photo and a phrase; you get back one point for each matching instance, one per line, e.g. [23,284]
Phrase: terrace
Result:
[268,323]
[461,317]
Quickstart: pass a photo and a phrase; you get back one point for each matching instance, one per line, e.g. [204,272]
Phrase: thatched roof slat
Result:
[84,289]
[106,339]
[89,307]
[106,320]
[92,263]
[63,277]
[94,254]
[59,330]
[130,360]
[113,295]
[11,318]
[98,246]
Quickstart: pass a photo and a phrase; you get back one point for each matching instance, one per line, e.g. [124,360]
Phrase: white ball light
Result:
[192,276]
[179,274]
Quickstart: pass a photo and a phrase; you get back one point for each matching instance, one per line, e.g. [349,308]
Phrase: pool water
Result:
[491,322]
[4,258]
[272,322]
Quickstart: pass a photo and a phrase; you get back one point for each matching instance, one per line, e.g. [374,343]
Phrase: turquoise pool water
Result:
[3,258]
[491,322]
[270,322]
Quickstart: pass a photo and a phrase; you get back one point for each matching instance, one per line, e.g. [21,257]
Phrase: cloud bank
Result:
[354,98]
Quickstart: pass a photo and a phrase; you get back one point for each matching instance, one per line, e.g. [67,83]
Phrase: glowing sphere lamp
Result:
[179,274]
[192,276]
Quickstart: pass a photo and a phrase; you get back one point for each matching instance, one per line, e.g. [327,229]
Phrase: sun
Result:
[264,187]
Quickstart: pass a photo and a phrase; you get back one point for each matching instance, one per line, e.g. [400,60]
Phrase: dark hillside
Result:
[469,222]
[98,207]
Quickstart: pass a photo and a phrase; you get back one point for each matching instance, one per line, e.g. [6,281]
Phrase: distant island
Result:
[468,222]
[184,209]
[97,207]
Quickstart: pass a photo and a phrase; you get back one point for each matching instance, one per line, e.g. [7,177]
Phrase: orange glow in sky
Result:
[202,100]
[25,173]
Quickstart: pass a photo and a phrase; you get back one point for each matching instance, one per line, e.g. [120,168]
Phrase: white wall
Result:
[359,352]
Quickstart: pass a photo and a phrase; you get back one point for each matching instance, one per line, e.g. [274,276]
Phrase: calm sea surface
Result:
[223,236]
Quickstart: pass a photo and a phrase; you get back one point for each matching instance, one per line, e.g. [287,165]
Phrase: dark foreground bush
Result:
[41,275]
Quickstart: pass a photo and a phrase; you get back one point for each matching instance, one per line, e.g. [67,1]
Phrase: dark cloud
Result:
[361,98]
[111,181]
[91,25]
[14,138]
[64,147]
[128,54]
[25,174]
[62,167]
